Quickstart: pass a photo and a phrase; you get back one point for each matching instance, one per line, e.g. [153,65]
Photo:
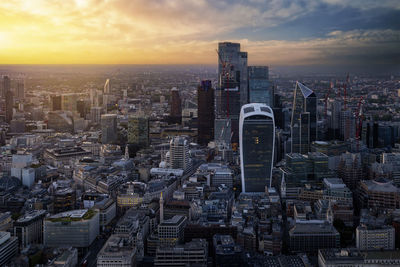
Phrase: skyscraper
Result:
[68,102]
[56,102]
[176,106]
[257,142]
[107,87]
[138,132]
[108,128]
[179,153]
[205,113]
[232,91]
[6,85]
[304,119]
[20,90]
[260,88]
[9,105]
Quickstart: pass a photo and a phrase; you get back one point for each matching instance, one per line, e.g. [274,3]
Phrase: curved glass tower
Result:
[257,141]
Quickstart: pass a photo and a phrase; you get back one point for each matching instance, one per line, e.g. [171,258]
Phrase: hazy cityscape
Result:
[176,134]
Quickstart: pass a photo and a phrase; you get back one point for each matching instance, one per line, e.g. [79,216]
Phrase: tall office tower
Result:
[138,132]
[9,105]
[107,87]
[260,88]
[179,154]
[350,169]
[304,119]
[334,125]
[347,124]
[176,106]
[20,90]
[108,128]
[256,138]
[94,99]
[6,85]
[68,102]
[205,113]
[55,102]
[232,90]
[82,108]
[95,114]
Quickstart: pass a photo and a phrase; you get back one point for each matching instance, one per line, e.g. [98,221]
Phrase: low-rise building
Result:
[335,257]
[375,238]
[29,228]
[309,236]
[117,252]
[171,231]
[191,253]
[8,247]
[76,228]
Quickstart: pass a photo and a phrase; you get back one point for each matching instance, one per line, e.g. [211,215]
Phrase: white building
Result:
[375,238]
[179,154]
[8,247]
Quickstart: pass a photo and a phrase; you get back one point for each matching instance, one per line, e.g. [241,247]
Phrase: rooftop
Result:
[72,215]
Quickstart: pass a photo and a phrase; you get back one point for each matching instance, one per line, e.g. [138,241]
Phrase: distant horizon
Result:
[274,33]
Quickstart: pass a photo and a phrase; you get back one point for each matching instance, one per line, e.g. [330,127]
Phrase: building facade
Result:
[304,119]
[256,137]
[260,88]
[375,238]
[108,128]
[205,113]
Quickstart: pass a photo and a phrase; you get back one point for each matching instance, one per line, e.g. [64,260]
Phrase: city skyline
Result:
[275,33]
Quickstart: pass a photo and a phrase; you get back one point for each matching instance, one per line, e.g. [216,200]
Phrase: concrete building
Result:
[375,238]
[193,253]
[117,252]
[335,189]
[379,194]
[170,232]
[29,228]
[76,228]
[309,236]
[222,176]
[226,252]
[353,257]
[8,247]
[179,154]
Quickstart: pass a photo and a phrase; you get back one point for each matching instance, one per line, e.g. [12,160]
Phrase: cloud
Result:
[179,31]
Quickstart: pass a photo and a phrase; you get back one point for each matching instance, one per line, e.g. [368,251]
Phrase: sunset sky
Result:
[289,32]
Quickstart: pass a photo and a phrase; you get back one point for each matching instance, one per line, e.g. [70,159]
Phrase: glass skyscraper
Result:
[260,88]
[256,138]
[231,92]
[304,119]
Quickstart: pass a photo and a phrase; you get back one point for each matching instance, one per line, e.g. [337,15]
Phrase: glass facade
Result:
[304,101]
[260,88]
[257,146]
